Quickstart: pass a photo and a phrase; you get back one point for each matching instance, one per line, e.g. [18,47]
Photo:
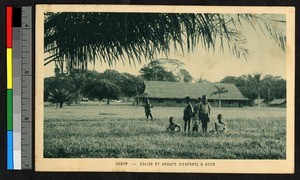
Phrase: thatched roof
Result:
[278,101]
[256,101]
[179,90]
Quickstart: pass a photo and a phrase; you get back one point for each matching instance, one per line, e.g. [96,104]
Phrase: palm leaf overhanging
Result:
[81,38]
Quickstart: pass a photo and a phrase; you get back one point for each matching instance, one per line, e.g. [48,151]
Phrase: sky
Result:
[266,57]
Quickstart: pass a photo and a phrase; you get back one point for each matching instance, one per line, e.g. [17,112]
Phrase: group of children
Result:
[199,113]
[219,126]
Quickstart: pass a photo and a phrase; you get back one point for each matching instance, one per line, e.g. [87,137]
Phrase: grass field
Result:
[87,131]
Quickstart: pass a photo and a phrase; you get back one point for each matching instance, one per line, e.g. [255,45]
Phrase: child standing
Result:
[204,111]
[196,120]
[187,114]
[148,107]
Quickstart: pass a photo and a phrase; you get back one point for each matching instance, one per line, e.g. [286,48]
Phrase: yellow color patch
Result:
[9,67]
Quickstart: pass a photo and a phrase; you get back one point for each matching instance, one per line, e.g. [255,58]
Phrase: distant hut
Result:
[278,103]
[162,93]
[261,102]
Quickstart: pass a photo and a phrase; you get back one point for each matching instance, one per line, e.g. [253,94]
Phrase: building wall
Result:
[181,102]
[167,102]
[283,105]
[229,103]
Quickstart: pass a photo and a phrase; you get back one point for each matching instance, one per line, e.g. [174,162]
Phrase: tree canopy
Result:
[184,76]
[59,90]
[165,70]
[73,87]
[154,71]
[100,89]
[270,87]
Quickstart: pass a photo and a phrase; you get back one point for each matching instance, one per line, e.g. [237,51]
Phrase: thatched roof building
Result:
[260,102]
[278,103]
[172,93]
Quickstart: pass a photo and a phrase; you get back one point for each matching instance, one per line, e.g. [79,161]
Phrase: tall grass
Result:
[122,132]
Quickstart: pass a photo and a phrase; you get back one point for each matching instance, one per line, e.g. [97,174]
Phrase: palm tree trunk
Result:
[219,100]
[137,96]
[269,92]
[258,98]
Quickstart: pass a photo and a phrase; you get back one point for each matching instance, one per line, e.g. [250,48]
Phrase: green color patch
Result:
[9,109]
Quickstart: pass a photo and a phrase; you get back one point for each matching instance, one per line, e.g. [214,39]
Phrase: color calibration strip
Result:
[19,86]
[9,95]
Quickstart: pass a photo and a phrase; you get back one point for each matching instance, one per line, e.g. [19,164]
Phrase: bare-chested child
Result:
[173,127]
[205,109]
[220,126]
[187,114]
[196,119]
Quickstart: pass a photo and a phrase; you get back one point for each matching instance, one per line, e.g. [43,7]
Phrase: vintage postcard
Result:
[192,89]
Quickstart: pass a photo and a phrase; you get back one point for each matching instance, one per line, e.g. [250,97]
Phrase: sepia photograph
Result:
[165,89]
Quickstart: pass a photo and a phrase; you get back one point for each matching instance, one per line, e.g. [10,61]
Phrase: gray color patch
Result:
[26,98]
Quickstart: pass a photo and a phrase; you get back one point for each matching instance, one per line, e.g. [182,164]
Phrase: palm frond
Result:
[273,28]
[76,39]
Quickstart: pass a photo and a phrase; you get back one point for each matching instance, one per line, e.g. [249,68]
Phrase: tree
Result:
[241,83]
[49,84]
[279,88]
[219,91]
[238,81]
[184,76]
[256,84]
[101,89]
[154,71]
[202,80]
[60,96]
[112,75]
[59,90]
[74,39]
[172,65]
[176,67]
[273,87]
[270,86]
[131,85]
[77,80]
